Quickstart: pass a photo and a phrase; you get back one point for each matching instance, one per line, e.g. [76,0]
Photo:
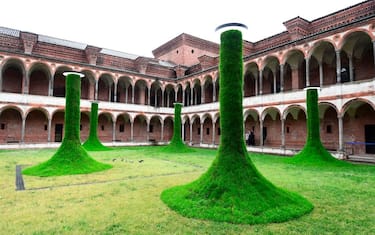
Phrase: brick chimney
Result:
[141,64]
[207,61]
[297,27]
[92,54]
[29,40]
[180,70]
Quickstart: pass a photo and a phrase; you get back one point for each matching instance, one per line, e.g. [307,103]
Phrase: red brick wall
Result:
[10,43]
[12,80]
[36,129]
[10,126]
[105,128]
[60,52]
[38,83]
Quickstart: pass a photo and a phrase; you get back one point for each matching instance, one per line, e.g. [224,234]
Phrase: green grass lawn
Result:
[126,198]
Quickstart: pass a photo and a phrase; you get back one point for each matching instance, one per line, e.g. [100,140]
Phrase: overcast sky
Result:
[140,26]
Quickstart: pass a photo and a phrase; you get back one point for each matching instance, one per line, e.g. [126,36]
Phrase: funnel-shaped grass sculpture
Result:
[93,143]
[70,158]
[232,189]
[314,152]
[177,145]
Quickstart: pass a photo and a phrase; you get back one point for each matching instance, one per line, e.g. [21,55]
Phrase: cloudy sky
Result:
[140,26]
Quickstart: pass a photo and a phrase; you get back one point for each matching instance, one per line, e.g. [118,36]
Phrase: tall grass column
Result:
[71,157]
[232,189]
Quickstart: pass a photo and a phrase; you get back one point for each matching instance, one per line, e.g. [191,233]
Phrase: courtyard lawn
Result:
[126,198]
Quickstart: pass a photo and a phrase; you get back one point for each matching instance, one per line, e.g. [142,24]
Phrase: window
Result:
[207,131]
[102,127]
[45,127]
[199,131]
[80,127]
[329,129]
[218,131]
[287,129]
[121,127]
[151,128]
[2,126]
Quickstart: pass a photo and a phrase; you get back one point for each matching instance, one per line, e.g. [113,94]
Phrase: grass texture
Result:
[93,143]
[126,198]
[232,189]
[177,145]
[71,157]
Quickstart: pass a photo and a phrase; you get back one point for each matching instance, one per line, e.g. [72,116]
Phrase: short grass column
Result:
[93,143]
[70,158]
[176,144]
[232,189]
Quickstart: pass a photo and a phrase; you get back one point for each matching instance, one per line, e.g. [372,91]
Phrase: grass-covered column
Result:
[176,144]
[232,189]
[71,157]
[313,122]
[313,152]
[72,109]
[176,138]
[93,143]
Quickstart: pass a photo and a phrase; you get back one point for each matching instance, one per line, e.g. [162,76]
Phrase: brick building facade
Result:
[136,94]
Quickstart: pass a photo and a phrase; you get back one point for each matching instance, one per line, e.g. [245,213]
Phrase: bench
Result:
[153,142]
[12,140]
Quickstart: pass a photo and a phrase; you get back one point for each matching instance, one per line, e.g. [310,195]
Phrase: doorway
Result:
[58,132]
[370,138]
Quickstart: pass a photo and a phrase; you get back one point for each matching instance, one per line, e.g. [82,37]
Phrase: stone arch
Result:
[216,120]
[105,126]
[106,87]
[208,89]
[12,76]
[123,127]
[59,81]
[271,75]
[294,70]
[207,128]
[295,126]
[10,124]
[156,94]
[359,126]
[39,79]
[57,125]
[88,85]
[187,91]
[186,124]
[329,125]
[271,127]
[84,127]
[196,129]
[251,79]
[322,60]
[197,92]
[179,90]
[168,128]
[124,89]
[169,97]
[140,92]
[140,128]
[155,127]
[357,57]
[252,124]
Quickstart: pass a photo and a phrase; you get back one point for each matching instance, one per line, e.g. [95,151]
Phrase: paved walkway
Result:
[19,179]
